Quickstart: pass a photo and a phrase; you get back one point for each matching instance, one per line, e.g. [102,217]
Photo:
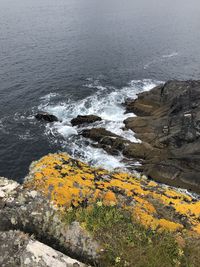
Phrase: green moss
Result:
[126,243]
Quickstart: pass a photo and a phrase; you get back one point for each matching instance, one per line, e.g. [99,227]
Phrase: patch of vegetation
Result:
[191,253]
[127,243]
[71,183]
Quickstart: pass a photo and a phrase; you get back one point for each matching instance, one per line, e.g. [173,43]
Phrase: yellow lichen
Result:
[169,225]
[71,183]
[109,198]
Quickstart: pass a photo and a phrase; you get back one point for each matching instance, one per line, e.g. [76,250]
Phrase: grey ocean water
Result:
[75,57]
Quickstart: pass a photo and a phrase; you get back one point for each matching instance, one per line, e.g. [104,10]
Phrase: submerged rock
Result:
[85,119]
[44,116]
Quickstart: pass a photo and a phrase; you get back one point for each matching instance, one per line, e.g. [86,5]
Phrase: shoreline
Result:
[79,214]
[167,123]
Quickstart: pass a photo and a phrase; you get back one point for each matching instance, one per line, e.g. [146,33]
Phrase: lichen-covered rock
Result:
[70,183]
[7,187]
[27,210]
[19,249]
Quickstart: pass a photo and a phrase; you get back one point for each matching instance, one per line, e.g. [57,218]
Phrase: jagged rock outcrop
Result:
[85,119]
[46,117]
[115,144]
[168,124]
[168,120]
[107,140]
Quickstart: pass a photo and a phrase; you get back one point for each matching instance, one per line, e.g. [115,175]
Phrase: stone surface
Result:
[107,140]
[46,117]
[6,187]
[168,120]
[86,119]
[115,144]
[30,212]
[19,249]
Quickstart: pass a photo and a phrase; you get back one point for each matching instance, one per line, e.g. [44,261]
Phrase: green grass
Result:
[127,243]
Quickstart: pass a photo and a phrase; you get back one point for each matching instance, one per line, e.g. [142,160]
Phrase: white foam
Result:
[174,54]
[163,58]
[96,156]
[49,96]
[106,102]
[66,130]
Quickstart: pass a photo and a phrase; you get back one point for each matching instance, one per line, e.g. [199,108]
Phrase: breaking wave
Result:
[106,102]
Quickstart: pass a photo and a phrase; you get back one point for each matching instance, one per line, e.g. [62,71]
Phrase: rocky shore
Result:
[168,124]
[69,214]
[169,121]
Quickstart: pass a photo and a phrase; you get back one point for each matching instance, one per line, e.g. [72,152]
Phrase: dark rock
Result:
[107,140]
[168,120]
[85,119]
[146,106]
[97,134]
[140,151]
[44,116]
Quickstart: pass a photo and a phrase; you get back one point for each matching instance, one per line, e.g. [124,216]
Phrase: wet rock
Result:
[138,108]
[168,120]
[46,117]
[85,119]
[107,140]
[139,151]
[19,249]
[97,134]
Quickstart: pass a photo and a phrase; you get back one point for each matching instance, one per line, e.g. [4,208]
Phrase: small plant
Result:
[126,243]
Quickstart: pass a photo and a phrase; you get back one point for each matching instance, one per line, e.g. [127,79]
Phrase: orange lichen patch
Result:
[193,209]
[169,225]
[68,182]
[152,183]
[146,219]
[149,221]
[146,205]
[181,203]
[176,195]
[196,229]
[109,198]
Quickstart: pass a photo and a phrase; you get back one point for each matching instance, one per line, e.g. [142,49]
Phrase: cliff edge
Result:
[84,216]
